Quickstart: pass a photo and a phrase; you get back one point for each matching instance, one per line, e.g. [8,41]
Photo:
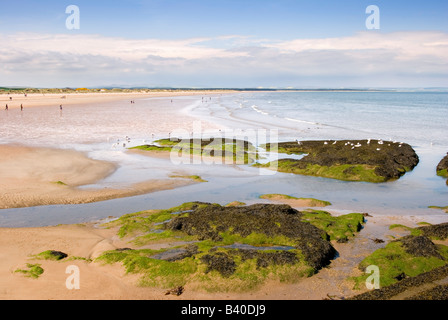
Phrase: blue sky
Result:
[174,19]
[238,34]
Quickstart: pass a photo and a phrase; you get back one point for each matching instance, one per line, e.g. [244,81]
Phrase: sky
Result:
[224,43]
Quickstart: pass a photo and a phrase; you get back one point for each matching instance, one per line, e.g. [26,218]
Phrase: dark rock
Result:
[221,262]
[405,284]
[269,219]
[175,291]
[401,276]
[391,161]
[420,246]
[265,259]
[58,254]
[436,231]
[443,164]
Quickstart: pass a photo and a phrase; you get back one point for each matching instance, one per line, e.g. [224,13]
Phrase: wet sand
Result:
[44,176]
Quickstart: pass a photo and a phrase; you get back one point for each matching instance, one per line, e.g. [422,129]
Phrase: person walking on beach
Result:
[21,107]
[60,107]
[6,108]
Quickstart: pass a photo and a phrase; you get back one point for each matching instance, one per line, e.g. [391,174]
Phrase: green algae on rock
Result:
[227,248]
[350,160]
[442,168]
[438,207]
[341,228]
[432,231]
[32,271]
[228,151]
[51,255]
[407,286]
[406,257]
[304,202]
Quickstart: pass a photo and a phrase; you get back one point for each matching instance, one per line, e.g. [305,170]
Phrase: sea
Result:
[416,117]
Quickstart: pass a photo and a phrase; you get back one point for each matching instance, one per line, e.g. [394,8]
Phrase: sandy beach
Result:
[14,101]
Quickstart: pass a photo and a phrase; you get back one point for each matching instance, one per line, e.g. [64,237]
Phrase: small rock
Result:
[401,276]
[58,254]
[175,291]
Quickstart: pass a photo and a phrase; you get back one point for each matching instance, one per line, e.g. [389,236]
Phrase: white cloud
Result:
[368,55]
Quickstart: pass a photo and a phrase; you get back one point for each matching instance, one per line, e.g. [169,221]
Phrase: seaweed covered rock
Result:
[52,255]
[258,220]
[221,262]
[410,284]
[359,160]
[405,258]
[442,168]
[228,248]
[231,150]
[420,246]
[436,231]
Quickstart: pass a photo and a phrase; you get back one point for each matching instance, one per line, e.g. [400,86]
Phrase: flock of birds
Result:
[358,144]
[123,143]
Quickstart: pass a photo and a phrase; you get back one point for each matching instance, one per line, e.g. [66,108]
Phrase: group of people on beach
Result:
[21,107]
[7,108]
